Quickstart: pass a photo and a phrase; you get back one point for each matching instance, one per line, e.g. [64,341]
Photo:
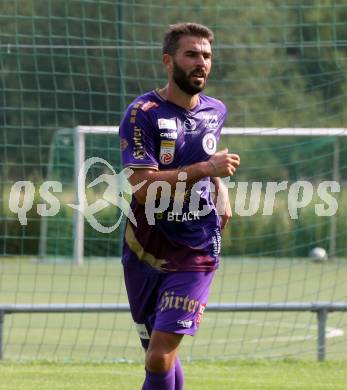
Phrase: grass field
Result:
[111,336]
[232,375]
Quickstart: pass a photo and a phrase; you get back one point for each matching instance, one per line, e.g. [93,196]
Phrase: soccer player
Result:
[169,139]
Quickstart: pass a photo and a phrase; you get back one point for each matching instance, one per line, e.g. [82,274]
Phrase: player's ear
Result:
[167,61]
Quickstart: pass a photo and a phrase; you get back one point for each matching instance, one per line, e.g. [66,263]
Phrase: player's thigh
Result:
[142,291]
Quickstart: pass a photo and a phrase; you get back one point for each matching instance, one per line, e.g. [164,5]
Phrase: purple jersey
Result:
[158,134]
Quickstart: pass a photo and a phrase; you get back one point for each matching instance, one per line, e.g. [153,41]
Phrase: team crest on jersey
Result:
[167,152]
[209,143]
[148,105]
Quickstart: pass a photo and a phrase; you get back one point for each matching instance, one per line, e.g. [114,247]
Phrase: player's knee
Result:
[158,361]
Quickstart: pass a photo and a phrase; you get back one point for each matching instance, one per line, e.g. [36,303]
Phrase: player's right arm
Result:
[221,164]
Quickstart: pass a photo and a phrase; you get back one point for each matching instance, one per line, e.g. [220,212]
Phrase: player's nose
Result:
[201,61]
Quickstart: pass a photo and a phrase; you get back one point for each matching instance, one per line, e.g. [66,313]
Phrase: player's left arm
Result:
[222,201]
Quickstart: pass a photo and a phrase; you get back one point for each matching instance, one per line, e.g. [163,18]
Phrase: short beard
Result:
[183,81]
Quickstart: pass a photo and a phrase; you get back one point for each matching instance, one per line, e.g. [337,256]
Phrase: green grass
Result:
[112,337]
[238,375]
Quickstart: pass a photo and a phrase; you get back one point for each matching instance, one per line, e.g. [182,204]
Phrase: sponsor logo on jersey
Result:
[200,313]
[216,242]
[148,105]
[167,152]
[183,217]
[209,143]
[210,121]
[133,112]
[185,323]
[189,125]
[169,124]
[166,134]
[138,151]
[170,300]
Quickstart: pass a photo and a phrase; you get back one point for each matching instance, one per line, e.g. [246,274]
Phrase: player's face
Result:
[191,64]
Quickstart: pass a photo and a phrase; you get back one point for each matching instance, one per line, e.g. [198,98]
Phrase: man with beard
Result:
[169,138]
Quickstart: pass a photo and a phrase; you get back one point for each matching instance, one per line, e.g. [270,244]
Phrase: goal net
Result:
[68,69]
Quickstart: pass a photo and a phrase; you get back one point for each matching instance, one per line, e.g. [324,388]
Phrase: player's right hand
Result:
[223,163]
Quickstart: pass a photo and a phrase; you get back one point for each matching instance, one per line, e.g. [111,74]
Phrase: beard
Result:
[184,82]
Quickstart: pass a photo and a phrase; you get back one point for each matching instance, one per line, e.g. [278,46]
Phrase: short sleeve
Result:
[137,141]
[223,116]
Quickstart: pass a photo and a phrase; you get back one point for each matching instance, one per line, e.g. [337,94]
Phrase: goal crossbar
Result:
[251,131]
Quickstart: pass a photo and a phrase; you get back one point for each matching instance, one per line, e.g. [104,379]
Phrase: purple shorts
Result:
[171,302]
